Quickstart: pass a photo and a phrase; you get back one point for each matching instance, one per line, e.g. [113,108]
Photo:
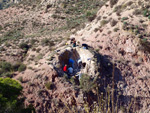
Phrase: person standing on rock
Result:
[71,41]
[74,43]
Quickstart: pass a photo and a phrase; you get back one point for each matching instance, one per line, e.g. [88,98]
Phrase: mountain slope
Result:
[33,34]
[122,34]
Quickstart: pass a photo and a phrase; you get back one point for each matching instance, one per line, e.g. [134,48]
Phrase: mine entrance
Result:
[69,54]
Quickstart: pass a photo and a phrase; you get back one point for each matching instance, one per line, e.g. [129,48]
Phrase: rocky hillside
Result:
[122,34]
[7,3]
[34,41]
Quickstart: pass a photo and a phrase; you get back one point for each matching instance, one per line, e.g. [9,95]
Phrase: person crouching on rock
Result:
[65,68]
[70,70]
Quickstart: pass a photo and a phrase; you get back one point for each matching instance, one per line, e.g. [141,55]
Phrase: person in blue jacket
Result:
[71,62]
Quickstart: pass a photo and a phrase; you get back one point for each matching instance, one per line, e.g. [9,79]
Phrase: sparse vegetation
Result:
[124,18]
[47,42]
[104,22]
[98,95]
[113,2]
[40,56]
[7,69]
[145,45]
[113,22]
[49,85]
[22,67]
[116,29]
[86,83]
[137,12]
[81,12]
[24,46]
[1,28]
[11,35]
[146,13]
[20,79]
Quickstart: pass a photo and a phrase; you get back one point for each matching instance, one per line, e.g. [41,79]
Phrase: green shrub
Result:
[12,35]
[40,56]
[145,45]
[86,83]
[9,87]
[47,42]
[113,2]
[72,80]
[19,67]
[24,46]
[91,15]
[103,22]
[5,66]
[1,27]
[124,18]
[88,13]
[33,41]
[145,13]
[7,74]
[22,67]
[49,85]
[16,66]
[65,77]
[137,31]
[113,22]
[116,29]
[9,92]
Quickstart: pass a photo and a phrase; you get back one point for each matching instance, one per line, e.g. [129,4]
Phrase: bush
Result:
[7,74]
[20,79]
[49,85]
[24,46]
[116,29]
[9,92]
[103,22]
[12,35]
[16,66]
[145,45]
[5,66]
[86,83]
[1,27]
[33,41]
[19,67]
[113,22]
[113,2]
[47,42]
[124,18]
[22,67]
[145,13]
[40,56]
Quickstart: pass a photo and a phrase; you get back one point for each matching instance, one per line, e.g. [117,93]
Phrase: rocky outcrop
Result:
[85,55]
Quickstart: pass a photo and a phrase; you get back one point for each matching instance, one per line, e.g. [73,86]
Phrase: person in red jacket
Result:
[65,68]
